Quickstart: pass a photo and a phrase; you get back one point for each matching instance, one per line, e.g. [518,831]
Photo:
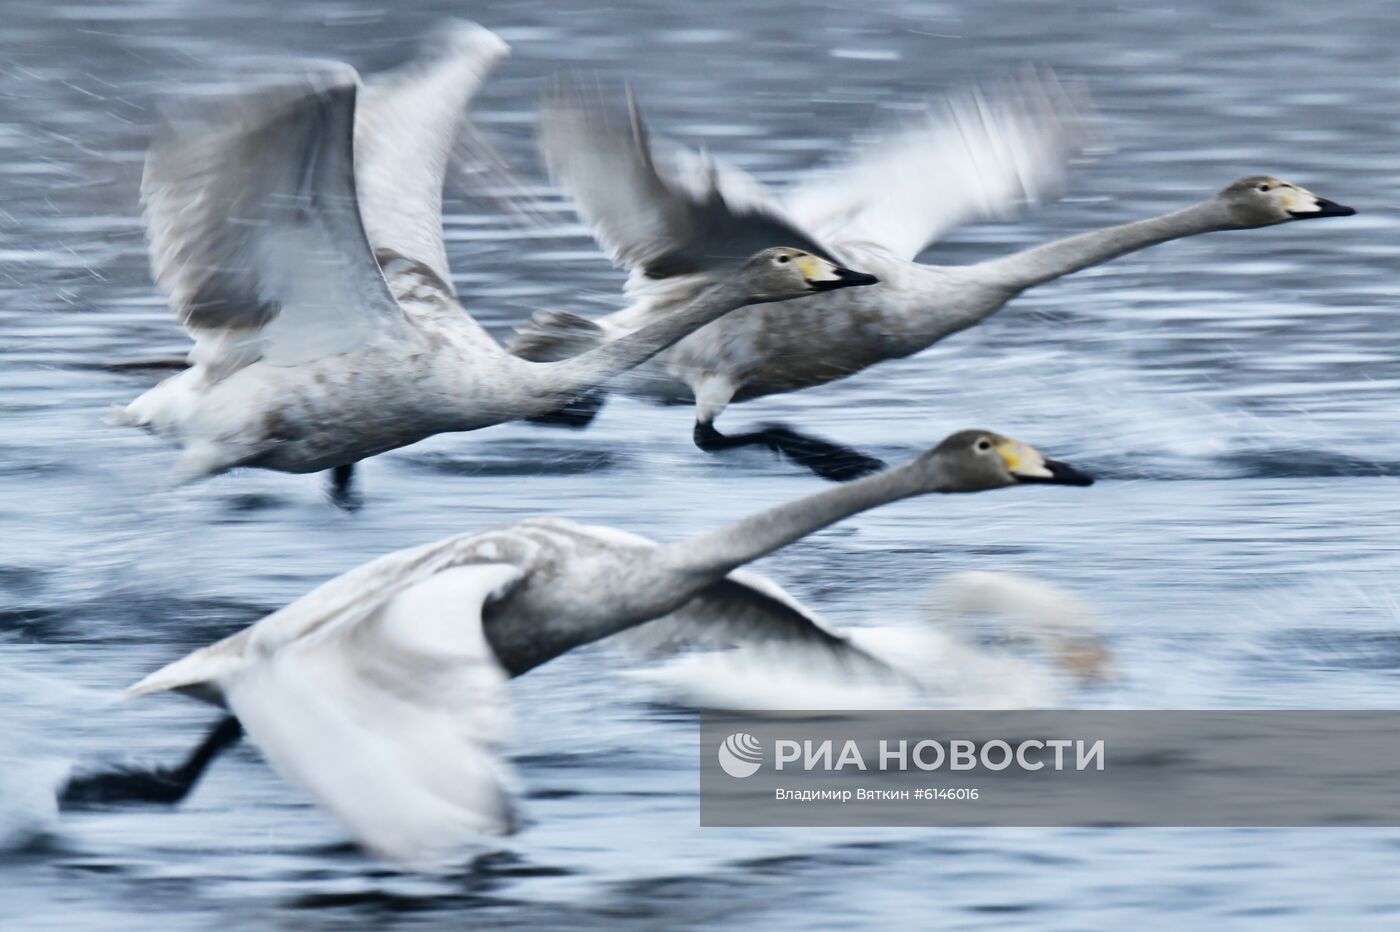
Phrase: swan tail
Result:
[123,416]
[199,460]
[202,668]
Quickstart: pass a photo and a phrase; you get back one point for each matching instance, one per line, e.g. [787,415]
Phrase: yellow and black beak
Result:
[822,275]
[1028,466]
[1322,207]
[1302,204]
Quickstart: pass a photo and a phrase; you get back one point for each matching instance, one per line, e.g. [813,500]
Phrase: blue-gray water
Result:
[1235,391]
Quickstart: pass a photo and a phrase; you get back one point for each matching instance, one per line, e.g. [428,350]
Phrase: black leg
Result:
[824,458]
[341,489]
[167,785]
[576,414]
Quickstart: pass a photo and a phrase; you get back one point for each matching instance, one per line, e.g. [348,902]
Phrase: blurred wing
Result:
[379,694]
[664,212]
[339,602]
[742,609]
[391,722]
[254,230]
[408,124]
[974,156]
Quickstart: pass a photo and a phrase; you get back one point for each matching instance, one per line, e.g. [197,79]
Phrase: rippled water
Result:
[1235,390]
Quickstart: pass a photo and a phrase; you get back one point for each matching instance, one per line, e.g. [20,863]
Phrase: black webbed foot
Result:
[158,785]
[341,489]
[824,458]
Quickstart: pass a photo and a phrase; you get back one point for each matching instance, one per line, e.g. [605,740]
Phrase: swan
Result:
[302,249]
[380,691]
[674,219]
[1046,637]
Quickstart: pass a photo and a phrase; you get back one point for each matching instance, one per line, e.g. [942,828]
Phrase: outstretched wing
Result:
[744,643]
[661,211]
[742,609]
[378,694]
[392,723]
[409,121]
[970,157]
[254,229]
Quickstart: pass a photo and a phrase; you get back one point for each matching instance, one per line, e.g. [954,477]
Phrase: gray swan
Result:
[676,220]
[270,215]
[380,691]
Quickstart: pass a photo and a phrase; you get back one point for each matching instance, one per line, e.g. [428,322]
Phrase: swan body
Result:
[761,354]
[259,209]
[380,692]
[392,391]
[301,243]
[672,217]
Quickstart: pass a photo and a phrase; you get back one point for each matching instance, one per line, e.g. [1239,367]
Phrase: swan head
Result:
[1262,200]
[782,273]
[979,460]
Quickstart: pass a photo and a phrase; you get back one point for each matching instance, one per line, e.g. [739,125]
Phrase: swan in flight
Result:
[380,692]
[301,245]
[1045,638]
[676,219]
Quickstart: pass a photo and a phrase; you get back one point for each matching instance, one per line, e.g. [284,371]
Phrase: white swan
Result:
[1047,637]
[379,692]
[268,229]
[675,220]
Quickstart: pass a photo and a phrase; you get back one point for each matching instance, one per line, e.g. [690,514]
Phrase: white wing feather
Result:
[378,693]
[392,723]
[971,157]
[254,230]
[409,121]
[341,601]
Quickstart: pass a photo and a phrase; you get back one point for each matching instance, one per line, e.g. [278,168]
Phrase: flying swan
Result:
[676,220]
[380,692]
[269,226]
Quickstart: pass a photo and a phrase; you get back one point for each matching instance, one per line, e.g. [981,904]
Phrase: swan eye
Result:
[983,445]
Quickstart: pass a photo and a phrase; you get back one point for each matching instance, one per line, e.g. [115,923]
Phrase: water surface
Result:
[1235,391]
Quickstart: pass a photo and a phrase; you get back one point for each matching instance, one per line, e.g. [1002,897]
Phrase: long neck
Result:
[587,370]
[1046,263]
[733,545]
[655,582]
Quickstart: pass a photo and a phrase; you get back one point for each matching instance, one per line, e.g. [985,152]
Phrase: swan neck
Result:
[1062,257]
[717,553]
